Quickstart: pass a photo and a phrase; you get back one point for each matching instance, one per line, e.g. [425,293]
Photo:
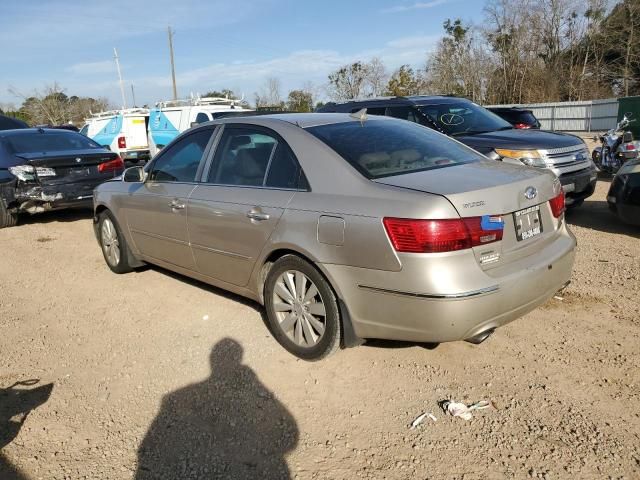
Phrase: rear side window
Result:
[379,148]
[37,142]
[242,157]
[284,171]
[202,117]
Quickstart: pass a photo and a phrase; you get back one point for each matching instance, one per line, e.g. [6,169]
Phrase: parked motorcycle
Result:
[616,148]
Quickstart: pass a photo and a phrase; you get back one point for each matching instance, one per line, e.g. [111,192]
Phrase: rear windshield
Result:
[382,148]
[518,117]
[49,142]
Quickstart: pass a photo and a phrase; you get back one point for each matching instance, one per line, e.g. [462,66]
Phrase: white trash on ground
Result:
[421,418]
[457,409]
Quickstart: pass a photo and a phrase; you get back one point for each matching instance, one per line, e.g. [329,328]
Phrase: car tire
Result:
[7,218]
[302,309]
[113,244]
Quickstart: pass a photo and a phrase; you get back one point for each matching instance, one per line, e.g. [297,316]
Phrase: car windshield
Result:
[382,148]
[464,118]
[49,142]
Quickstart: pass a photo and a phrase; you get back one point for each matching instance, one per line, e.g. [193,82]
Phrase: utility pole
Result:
[124,99]
[173,67]
[133,95]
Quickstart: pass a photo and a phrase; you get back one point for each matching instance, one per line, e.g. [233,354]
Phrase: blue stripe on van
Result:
[108,134]
[160,127]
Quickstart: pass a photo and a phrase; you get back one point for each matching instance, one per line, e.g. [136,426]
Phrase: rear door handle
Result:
[176,205]
[259,216]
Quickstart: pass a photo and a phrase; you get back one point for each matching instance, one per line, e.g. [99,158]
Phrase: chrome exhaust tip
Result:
[480,337]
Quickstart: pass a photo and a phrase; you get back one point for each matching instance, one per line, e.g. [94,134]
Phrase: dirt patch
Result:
[155,374]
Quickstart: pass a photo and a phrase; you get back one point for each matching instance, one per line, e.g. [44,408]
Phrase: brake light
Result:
[557,204]
[522,126]
[111,166]
[122,142]
[447,235]
[630,146]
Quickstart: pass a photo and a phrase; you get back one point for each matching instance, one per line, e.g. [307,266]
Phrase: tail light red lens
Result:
[122,142]
[111,165]
[522,126]
[630,146]
[433,236]
[557,205]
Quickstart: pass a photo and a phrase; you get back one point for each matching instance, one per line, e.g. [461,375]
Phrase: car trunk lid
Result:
[70,166]
[489,190]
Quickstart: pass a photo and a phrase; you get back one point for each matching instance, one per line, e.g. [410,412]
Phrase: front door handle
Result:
[259,216]
[176,205]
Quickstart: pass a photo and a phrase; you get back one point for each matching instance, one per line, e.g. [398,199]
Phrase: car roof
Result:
[509,109]
[410,100]
[302,120]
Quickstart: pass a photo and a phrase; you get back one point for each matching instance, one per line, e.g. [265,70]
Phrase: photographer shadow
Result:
[15,406]
[228,426]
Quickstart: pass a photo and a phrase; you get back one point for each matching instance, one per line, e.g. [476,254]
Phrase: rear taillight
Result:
[111,165]
[557,204]
[448,235]
[122,142]
[522,126]
[630,146]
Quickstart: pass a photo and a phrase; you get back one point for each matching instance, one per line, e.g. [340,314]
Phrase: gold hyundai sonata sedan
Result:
[345,227]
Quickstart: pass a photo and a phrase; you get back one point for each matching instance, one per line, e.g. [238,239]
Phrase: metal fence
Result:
[586,116]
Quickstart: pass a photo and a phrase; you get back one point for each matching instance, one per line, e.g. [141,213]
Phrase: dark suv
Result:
[518,117]
[565,155]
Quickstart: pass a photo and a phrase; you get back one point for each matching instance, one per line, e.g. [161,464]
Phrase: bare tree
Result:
[52,106]
[269,94]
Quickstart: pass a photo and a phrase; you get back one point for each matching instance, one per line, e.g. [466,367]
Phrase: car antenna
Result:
[360,115]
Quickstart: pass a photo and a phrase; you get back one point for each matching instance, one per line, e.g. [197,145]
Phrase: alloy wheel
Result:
[299,308]
[110,243]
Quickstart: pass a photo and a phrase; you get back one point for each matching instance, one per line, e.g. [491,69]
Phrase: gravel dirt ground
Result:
[152,375]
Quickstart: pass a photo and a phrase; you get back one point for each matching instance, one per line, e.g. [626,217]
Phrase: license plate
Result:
[527,223]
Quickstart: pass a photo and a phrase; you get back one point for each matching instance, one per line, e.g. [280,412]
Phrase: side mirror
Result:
[133,175]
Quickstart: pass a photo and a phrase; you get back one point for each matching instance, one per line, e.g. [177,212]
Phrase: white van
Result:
[122,131]
[168,119]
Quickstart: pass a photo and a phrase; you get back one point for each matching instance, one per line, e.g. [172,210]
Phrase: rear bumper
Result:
[135,155]
[38,198]
[381,306]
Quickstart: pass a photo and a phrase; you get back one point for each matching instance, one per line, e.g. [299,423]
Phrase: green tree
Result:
[403,82]
[300,101]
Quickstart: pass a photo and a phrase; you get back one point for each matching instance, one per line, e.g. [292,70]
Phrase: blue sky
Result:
[218,43]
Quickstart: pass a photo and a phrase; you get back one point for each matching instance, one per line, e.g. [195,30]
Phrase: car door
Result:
[233,212]
[157,209]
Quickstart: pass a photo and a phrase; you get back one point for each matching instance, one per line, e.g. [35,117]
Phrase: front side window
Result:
[242,157]
[179,162]
[382,148]
[464,118]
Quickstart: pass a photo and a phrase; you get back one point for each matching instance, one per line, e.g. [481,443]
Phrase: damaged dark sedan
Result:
[45,169]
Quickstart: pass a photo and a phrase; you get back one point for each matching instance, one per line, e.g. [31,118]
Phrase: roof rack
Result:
[198,101]
[122,111]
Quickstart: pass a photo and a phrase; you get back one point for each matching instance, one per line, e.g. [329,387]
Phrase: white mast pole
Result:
[124,98]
